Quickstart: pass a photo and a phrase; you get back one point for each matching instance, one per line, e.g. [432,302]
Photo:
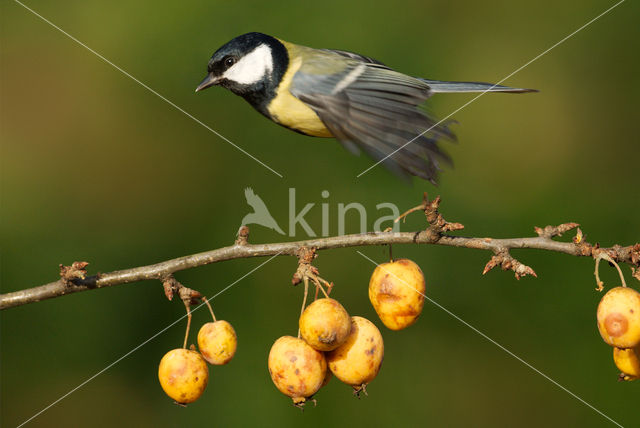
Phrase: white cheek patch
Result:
[251,67]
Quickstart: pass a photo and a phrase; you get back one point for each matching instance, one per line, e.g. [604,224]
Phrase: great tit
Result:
[332,93]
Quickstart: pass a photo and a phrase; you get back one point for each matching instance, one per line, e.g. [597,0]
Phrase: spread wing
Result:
[254,201]
[368,106]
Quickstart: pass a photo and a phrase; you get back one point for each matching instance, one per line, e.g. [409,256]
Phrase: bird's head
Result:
[246,64]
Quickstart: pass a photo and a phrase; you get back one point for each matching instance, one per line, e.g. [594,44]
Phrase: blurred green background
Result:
[97,168]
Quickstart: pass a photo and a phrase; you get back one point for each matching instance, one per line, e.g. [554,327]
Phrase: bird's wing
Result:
[248,193]
[356,56]
[254,200]
[368,106]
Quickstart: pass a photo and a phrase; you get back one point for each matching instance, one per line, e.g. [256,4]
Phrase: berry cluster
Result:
[183,373]
[351,348]
[619,324]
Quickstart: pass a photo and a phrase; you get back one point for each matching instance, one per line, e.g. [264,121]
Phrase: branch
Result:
[74,279]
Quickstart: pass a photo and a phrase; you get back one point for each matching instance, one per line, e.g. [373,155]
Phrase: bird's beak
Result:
[210,80]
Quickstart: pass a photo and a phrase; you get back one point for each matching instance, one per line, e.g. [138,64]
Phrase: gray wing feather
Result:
[442,86]
[367,139]
[378,113]
[353,55]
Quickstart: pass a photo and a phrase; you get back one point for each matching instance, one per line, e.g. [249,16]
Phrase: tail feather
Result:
[437,86]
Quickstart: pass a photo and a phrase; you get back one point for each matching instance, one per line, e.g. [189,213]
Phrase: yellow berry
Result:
[183,375]
[628,361]
[296,369]
[619,317]
[327,377]
[357,361]
[396,291]
[325,324]
[217,342]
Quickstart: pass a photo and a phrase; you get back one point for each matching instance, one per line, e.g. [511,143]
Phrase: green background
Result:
[97,168]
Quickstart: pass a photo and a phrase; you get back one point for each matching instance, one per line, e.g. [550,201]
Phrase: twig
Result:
[306,271]
[187,295]
[435,234]
[507,262]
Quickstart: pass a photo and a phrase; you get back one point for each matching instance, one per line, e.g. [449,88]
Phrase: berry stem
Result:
[186,334]
[603,255]
[316,280]
[404,215]
[206,301]
[304,300]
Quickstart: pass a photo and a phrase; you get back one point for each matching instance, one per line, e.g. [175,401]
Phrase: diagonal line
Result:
[183,111]
[494,85]
[498,345]
[146,341]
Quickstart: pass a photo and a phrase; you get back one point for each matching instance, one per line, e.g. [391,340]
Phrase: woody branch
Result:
[74,278]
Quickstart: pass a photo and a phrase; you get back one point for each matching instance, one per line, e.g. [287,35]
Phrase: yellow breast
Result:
[289,111]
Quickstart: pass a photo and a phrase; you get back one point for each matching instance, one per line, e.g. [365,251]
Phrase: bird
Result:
[364,104]
[260,214]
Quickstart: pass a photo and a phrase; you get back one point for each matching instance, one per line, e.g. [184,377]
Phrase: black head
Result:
[249,65]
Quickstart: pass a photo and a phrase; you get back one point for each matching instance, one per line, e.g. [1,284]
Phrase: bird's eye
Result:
[229,61]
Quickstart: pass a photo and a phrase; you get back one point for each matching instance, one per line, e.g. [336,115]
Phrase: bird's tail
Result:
[441,86]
